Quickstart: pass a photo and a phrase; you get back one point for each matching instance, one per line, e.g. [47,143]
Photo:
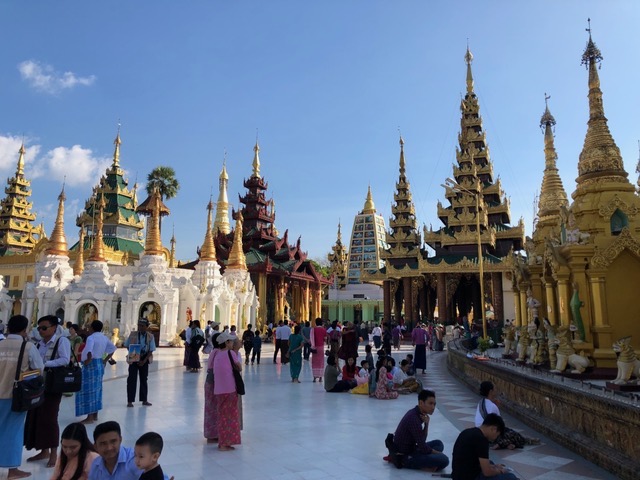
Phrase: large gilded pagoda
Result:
[415,284]
[122,227]
[18,235]
[583,262]
[287,284]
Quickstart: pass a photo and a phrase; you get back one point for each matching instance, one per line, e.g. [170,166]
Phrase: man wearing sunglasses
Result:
[41,430]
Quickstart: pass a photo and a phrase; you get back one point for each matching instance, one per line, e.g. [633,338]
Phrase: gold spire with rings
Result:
[57,244]
[600,156]
[237,260]
[369,206]
[552,193]
[154,209]
[256,160]
[20,169]
[468,58]
[208,250]
[97,250]
[172,254]
[221,223]
[78,267]
[339,240]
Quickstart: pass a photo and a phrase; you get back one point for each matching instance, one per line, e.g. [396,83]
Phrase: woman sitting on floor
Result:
[331,374]
[510,439]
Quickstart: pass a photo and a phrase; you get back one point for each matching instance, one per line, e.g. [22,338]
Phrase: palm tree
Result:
[164,179]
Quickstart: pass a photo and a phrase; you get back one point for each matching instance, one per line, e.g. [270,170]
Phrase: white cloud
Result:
[9,152]
[78,165]
[44,78]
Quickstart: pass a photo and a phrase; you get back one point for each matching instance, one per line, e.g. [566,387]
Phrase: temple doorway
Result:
[87,313]
[151,311]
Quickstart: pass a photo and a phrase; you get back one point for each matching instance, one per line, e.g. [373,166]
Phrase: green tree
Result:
[163,178]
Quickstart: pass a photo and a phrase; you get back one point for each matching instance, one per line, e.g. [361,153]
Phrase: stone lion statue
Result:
[628,363]
[566,354]
[523,344]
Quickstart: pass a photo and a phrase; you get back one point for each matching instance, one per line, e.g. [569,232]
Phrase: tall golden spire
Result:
[172,255]
[468,58]
[221,223]
[153,243]
[58,242]
[237,260]
[256,160]
[552,193]
[78,267]
[208,250]
[339,239]
[97,251]
[600,156]
[20,169]
[369,206]
[116,151]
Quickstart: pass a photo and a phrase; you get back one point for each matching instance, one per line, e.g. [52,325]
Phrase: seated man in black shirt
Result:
[471,452]
[410,438]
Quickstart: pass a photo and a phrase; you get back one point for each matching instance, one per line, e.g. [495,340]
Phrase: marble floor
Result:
[297,431]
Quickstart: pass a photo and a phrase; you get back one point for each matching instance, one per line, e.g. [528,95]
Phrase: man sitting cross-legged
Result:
[471,452]
[410,439]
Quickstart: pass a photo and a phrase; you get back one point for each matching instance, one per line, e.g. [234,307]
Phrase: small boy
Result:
[363,374]
[412,369]
[147,450]
[257,347]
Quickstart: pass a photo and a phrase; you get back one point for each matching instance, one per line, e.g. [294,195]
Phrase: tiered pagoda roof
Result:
[122,227]
[265,252]
[474,174]
[17,232]
[403,238]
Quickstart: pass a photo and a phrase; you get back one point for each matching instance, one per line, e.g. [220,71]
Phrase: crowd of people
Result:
[37,428]
[332,350]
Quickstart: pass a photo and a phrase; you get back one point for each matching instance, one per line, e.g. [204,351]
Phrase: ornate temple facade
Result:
[287,284]
[417,284]
[348,298]
[583,261]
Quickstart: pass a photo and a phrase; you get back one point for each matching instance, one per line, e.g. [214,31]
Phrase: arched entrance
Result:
[87,313]
[151,311]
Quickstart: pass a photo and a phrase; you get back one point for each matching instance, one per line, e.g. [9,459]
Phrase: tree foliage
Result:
[163,178]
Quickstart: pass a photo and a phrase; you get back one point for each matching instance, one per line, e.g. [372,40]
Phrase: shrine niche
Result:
[87,313]
[151,312]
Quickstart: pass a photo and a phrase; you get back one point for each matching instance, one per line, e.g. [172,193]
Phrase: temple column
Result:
[305,301]
[601,326]
[386,295]
[318,312]
[552,314]
[537,289]
[516,300]
[408,307]
[524,316]
[423,303]
[563,299]
[442,296]
[497,296]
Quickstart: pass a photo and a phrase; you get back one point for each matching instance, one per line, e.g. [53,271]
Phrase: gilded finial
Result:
[208,250]
[221,223]
[237,260]
[256,160]
[116,152]
[78,267]
[58,242]
[402,163]
[20,169]
[339,232]
[468,58]
[369,206]
[172,253]
[547,119]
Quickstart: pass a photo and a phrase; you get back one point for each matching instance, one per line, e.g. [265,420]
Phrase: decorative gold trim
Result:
[604,258]
[617,203]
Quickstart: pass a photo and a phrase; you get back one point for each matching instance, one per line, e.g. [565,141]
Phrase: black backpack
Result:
[197,340]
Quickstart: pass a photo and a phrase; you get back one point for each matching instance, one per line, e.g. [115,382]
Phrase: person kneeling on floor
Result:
[410,444]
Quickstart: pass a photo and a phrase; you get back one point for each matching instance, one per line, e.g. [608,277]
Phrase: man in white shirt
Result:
[42,431]
[97,351]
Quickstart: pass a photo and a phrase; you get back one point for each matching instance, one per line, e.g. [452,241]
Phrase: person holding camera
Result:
[140,368]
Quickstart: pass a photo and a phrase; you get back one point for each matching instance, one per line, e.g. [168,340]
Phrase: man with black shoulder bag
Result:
[145,344]
[42,431]
[17,358]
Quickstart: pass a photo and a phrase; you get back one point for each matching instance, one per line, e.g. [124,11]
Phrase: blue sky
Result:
[327,84]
